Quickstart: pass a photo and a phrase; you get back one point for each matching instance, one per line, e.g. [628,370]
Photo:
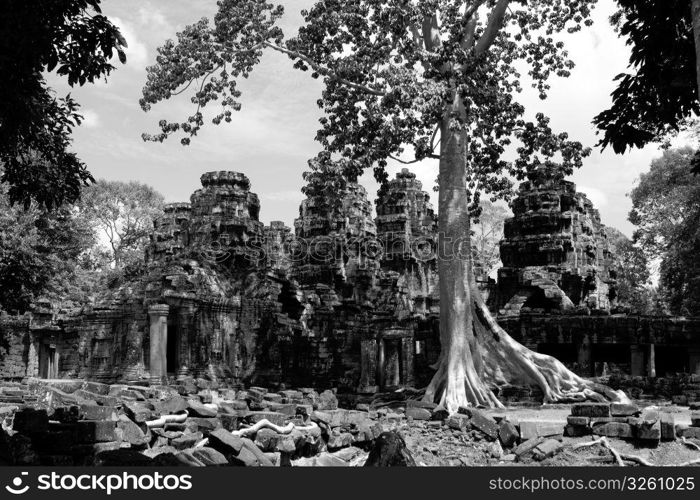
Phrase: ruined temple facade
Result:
[343,299]
[555,252]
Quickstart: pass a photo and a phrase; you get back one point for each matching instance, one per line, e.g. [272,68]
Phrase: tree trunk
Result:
[695,10]
[476,354]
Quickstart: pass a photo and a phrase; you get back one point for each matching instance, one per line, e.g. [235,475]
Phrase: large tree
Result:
[72,38]
[435,78]
[122,215]
[658,96]
[666,210]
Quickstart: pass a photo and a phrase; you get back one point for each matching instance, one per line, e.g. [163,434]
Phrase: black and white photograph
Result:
[428,235]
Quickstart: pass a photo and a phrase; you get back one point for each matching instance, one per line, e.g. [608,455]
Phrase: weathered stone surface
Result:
[94,412]
[582,421]
[527,446]
[623,409]
[390,450]
[590,410]
[547,449]
[417,413]
[132,433]
[613,429]
[197,409]
[95,431]
[647,431]
[508,434]
[668,427]
[533,429]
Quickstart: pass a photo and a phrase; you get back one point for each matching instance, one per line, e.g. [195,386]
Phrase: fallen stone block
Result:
[527,446]
[138,412]
[689,432]
[532,429]
[390,450]
[283,408]
[418,413]
[613,429]
[197,409]
[484,423]
[205,425]
[580,421]
[327,401]
[28,421]
[172,405]
[547,449]
[647,431]
[132,433]
[95,412]
[623,409]
[338,440]
[508,434]
[590,410]
[95,431]
[695,419]
[577,430]
[209,456]
[668,427]
[273,417]
[459,422]
[186,441]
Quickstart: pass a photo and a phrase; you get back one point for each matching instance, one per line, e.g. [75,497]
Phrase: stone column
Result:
[158,314]
[694,360]
[183,349]
[637,360]
[651,362]
[380,363]
[585,357]
[407,354]
[368,366]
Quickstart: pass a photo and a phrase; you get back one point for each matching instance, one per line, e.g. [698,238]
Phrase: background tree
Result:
[122,215]
[632,270]
[438,77]
[73,38]
[659,96]
[488,233]
[40,253]
[666,211]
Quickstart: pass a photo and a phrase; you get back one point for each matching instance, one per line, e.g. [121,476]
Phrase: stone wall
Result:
[603,345]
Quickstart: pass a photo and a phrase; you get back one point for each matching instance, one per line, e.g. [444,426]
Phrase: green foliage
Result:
[122,214]
[391,71]
[74,39]
[40,253]
[666,210]
[632,273]
[487,233]
[658,96]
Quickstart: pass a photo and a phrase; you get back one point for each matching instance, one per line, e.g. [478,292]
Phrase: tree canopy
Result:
[72,38]
[122,214]
[666,210]
[659,94]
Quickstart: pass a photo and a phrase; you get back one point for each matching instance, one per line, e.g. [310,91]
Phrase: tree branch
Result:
[324,71]
[493,26]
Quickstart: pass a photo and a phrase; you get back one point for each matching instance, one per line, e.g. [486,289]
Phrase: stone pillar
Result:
[585,357]
[158,314]
[380,363]
[368,366]
[637,361]
[183,349]
[407,354]
[694,360]
[651,362]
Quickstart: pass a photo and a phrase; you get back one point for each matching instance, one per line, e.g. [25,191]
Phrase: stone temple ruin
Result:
[344,299]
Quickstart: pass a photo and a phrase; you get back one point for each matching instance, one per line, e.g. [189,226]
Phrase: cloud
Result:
[136,52]
[597,196]
[90,118]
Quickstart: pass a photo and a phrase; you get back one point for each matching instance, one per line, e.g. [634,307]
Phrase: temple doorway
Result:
[48,361]
[172,352]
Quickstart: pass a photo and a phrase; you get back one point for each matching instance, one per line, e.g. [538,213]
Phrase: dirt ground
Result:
[442,446]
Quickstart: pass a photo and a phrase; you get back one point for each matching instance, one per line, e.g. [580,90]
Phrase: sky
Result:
[272,137]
